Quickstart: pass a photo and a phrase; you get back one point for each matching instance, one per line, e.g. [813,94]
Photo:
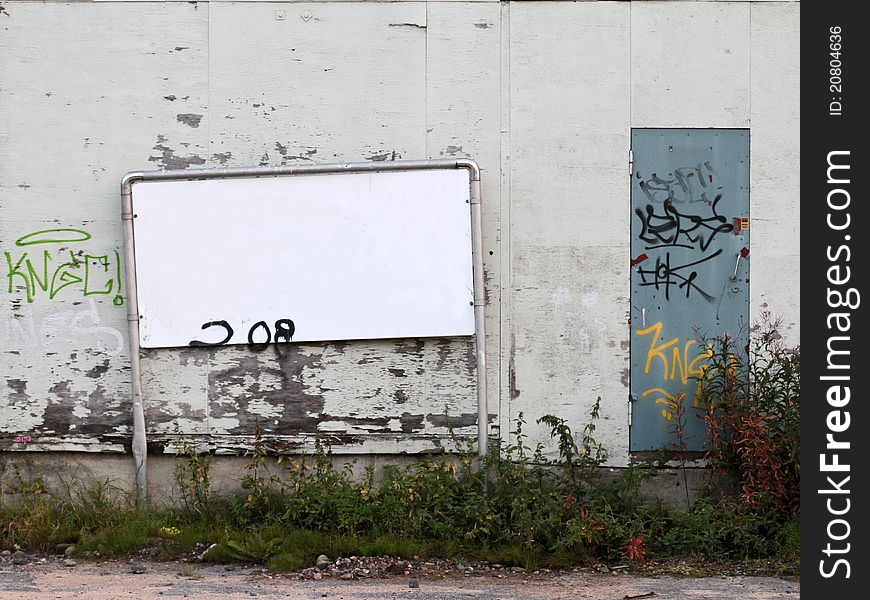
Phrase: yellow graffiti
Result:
[680,361]
[678,367]
[671,401]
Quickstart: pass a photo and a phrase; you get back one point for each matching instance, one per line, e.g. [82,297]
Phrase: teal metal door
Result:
[689,271]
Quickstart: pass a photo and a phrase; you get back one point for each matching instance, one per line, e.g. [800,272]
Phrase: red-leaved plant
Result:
[752,401]
[634,550]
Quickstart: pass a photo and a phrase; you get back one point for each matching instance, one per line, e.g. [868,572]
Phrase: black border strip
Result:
[833,247]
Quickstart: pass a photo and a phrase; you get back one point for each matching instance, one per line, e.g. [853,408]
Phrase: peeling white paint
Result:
[544,98]
[265,410]
[223,424]
[80,411]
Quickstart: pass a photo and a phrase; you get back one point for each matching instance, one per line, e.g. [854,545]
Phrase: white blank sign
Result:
[343,256]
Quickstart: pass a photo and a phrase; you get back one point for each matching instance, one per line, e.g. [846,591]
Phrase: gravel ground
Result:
[52,577]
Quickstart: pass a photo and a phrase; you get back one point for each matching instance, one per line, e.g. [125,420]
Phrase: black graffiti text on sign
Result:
[284,330]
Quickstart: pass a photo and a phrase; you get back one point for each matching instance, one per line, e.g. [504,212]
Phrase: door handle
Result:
[744,252]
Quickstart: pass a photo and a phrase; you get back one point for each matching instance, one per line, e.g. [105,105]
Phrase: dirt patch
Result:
[50,578]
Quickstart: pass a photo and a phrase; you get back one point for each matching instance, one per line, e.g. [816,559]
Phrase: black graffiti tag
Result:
[682,188]
[665,229]
[663,275]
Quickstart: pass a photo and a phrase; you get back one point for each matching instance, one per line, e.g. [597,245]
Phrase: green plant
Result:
[31,524]
[129,532]
[258,482]
[516,507]
[92,504]
[191,475]
[253,548]
[285,561]
[723,529]
[580,462]
[679,440]
[40,519]
[316,494]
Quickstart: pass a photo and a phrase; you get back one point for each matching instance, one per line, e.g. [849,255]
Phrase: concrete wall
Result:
[542,94]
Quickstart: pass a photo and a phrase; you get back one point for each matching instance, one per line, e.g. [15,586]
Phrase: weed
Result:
[635,549]
[286,561]
[189,572]
[253,548]
[191,474]
[517,508]
[258,482]
[679,441]
[580,463]
[752,401]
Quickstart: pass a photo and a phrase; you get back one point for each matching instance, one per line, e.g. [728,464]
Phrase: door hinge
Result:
[630,408]
[630,163]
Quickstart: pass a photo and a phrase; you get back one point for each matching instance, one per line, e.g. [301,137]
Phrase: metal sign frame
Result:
[139,445]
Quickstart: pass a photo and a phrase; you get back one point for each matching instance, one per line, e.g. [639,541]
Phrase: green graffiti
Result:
[12,272]
[118,300]
[94,274]
[53,236]
[101,265]
[64,275]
